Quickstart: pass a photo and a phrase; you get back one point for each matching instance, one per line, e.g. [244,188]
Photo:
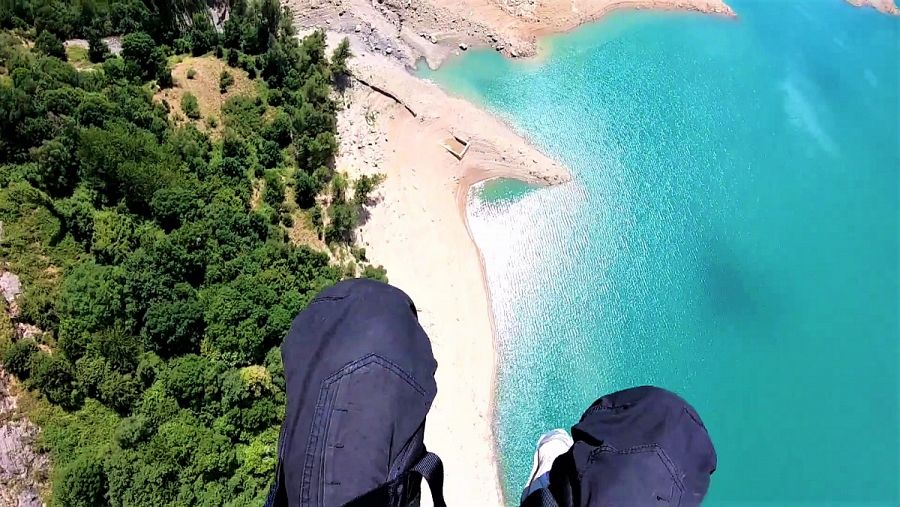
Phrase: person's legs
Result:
[550,446]
[359,375]
[640,446]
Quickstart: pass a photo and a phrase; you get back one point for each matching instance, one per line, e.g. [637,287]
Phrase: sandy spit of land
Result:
[395,124]
[885,6]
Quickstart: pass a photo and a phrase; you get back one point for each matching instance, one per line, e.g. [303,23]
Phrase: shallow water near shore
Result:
[731,234]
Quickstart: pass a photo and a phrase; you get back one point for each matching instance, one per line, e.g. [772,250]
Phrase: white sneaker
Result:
[549,447]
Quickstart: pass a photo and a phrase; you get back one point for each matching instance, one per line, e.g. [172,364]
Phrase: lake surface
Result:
[731,234]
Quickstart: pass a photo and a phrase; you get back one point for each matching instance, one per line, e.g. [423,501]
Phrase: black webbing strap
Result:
[431,469]
[540,498]
[397,493]
[405,490]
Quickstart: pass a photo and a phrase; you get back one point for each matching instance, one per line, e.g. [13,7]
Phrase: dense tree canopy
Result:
[163,289]
[68,19]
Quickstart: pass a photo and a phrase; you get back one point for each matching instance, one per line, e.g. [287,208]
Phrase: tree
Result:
[114,69]
[83,483]
[306,188]
[164,76]
[92,295]
[174,205]
[192,380]
[364,186]
[190,106]
[314,152]
[128,16]
[248,63]
[133,431]
[143,59]
[50,45]
[120,349]
[163,295]
[90,372]
[77,213]
[57,166]
[113,236]
[202,35]
[98,50]
[94,110]
[148,368]
[279,129]
[233,29]
[120,392]
[157,405]
[340,56]
[232,57]
[268,153]
[72,339]
[174,327]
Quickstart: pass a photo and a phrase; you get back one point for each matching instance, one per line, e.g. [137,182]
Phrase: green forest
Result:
[153,248]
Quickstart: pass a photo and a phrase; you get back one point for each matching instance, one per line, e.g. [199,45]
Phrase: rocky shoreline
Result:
[883,6]
[433,30]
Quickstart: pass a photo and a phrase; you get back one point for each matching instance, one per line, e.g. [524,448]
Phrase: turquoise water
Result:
[731,234]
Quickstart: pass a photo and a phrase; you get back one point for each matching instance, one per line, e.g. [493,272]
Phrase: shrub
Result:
[359,253]
[53,376]
[315,216]
[232,57]
[268,153]
[342,219]
[164,77]
[190,106]
[274,193]
[182,45]
[225,80]
[48,44]
[375,273]
[191,73]
[90,372]
[18,358]
[248,63]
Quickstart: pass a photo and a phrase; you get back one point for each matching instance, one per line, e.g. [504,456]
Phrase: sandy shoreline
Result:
[395,123]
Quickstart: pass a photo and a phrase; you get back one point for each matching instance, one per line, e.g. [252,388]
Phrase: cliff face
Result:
[23,471]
